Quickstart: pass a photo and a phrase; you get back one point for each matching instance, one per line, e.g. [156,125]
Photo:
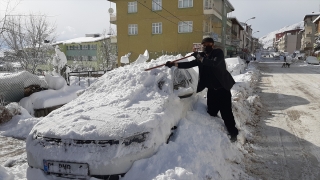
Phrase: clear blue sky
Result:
[74,18]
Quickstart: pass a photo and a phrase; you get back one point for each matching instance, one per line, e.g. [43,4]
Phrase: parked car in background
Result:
[235,65]
[312,60]
[276,57]
[124,116]
[300,56]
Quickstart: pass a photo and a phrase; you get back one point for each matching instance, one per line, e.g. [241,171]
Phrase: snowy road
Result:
[287,143]
[12,151]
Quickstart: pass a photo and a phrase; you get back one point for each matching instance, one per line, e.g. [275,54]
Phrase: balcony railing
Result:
[212,11]
[309,35]
[113,18]
[214,36]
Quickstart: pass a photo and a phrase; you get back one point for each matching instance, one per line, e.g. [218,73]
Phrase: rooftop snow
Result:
[85,39]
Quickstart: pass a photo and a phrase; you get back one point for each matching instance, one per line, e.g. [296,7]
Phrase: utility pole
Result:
[223,35]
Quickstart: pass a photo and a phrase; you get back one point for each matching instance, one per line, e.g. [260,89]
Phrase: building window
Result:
[185,3]
[133,29]
[206,27]
[132,7]
[208,4]
[185,26]
[156,5]
[156,28]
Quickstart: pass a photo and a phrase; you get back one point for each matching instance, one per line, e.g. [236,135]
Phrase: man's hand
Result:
[198,54]
[169,64]
[202,54]
[195,54]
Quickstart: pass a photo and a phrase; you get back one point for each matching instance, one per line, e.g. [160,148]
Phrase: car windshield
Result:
[181,78]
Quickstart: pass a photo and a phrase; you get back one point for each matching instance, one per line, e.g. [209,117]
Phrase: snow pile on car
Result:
[127,95]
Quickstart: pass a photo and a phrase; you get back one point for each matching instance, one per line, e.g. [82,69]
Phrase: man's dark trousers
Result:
[220,100]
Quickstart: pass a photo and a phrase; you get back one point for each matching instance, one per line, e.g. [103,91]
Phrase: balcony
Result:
[309,35]
[214,36]
[211,11]
[113,18]
[233,32]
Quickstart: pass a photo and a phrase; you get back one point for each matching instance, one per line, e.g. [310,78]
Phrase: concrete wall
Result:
[291,43]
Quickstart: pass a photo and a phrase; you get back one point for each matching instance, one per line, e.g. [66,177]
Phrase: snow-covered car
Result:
[235,65]
[312,60]
[123,117]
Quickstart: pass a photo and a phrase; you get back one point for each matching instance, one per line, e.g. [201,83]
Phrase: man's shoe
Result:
[233,138]
[214,115]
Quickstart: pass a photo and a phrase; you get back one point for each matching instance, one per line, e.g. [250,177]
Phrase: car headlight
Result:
[135,138]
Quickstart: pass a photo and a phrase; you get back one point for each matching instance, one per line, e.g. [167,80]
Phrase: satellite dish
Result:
[110,10]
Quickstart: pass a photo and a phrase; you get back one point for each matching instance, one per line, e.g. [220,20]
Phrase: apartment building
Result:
[246,35]
[317,25]
[169,26]
[289,41]
[236,37]
[88,48]
[308,35]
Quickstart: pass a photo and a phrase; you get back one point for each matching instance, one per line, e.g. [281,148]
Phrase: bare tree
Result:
[27,37]
[9,6]
[107,53]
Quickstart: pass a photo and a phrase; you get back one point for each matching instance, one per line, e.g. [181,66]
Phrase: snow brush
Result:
[165,64]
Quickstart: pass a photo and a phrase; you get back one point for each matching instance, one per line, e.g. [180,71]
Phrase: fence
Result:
[85,74]
[12,86]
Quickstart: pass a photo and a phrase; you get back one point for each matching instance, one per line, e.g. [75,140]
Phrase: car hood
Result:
[122,103]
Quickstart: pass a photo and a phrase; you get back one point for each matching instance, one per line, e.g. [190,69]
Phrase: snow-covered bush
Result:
[5,115]
[14,108]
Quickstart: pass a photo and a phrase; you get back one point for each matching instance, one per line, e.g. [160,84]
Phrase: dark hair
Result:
[207,39]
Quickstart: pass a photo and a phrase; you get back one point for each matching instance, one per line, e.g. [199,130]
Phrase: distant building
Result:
[308,35]
[288,41]
[247,40]
[86,48]
[170,26]
[317,25]
[236,37]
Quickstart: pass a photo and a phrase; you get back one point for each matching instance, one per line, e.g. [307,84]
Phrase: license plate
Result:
[67,168]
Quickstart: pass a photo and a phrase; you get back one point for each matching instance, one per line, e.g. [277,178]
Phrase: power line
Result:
[167,11]
[156,12]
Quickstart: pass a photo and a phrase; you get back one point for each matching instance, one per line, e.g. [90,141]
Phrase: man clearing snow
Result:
[213,75]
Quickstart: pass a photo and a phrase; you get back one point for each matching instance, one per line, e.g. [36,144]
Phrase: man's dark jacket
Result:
[216,63]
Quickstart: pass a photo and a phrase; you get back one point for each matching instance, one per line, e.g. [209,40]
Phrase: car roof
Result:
[121,103]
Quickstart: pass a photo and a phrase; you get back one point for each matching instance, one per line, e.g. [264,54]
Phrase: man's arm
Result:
[187,65]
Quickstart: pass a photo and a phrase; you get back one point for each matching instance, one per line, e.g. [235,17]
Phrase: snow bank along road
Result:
[287,143]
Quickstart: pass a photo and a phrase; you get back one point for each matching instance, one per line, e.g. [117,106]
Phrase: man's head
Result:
[207,40]
[207,44]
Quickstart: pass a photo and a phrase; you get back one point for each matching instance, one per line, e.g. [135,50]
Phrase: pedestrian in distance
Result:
[214,76]
[288,62]
[247,62]
[284,62]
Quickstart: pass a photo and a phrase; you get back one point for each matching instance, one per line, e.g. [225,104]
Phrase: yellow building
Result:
[169,26]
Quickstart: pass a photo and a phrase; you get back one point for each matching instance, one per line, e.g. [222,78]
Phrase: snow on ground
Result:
[200,148]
